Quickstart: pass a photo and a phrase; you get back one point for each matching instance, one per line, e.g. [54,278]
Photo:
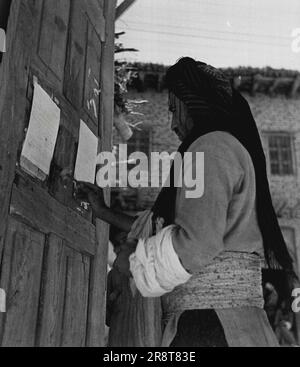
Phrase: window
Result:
[281,154]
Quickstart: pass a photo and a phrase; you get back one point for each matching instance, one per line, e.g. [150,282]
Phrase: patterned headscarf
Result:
[205,90]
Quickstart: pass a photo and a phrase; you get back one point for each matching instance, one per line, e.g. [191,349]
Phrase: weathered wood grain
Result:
[53,34]
[53,292]
[35,207]
[94,9]
[76,300]
[13,76]
[64,297]
[70,310]
[92,74]
[64,163]
[70,115]
[75,64]
[96,323]
[21,278]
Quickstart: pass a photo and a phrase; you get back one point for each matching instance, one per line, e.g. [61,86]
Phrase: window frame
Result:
[267,135]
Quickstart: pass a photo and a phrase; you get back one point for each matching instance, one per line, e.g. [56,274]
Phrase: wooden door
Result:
[53,254]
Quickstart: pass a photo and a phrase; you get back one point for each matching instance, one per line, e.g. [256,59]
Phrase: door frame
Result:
[96,326]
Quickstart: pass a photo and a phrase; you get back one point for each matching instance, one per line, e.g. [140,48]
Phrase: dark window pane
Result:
[274,155]
[140,142]
[285,155]
[280,153]
[273,142]
[275,169]
[286,169]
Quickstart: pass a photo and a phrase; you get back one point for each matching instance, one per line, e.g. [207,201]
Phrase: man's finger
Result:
[87,187]
[88,184]
[83,189]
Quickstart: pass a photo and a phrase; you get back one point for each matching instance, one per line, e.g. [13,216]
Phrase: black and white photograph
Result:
[149,176]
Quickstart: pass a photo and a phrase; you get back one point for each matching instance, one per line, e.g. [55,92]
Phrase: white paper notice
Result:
[85,169]
[39,145]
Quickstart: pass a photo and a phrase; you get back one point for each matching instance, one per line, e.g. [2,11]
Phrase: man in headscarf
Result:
[207,259]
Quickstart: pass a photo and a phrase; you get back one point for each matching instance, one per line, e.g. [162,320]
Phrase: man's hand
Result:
[93,194]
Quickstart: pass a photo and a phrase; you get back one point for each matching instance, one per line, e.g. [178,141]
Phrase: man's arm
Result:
[94,195]
[120,220]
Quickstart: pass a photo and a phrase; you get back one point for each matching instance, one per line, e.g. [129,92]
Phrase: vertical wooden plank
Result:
[75,64]
[53,34]
[76,300]
[96,322]
[95,13]
[2,276]
[65,297]
[21,278]
[107,78]
[92,74]
[13,84]
[101,4]
[63,161]
[51,316]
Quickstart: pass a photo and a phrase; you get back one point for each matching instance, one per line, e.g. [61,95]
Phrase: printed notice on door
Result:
[39,145]
[85,169]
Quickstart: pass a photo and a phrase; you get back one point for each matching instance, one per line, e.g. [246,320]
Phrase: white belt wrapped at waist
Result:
[233,280]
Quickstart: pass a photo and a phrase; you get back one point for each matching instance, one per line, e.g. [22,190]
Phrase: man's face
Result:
[181,122]
[176,126]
